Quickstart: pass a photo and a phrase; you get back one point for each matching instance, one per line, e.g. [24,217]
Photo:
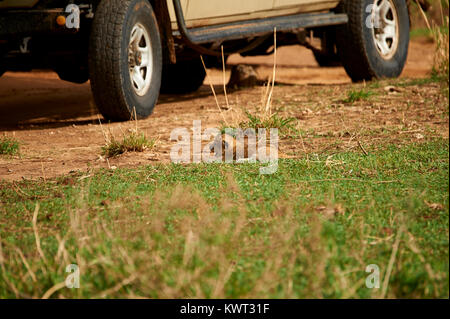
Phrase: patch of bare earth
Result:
[57,123]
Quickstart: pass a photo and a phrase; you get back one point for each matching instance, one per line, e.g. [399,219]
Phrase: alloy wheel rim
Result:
[140,59]
[385,28]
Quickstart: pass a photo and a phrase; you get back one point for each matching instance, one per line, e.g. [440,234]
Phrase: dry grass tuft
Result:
[440,35]
[441,63]
[131,142]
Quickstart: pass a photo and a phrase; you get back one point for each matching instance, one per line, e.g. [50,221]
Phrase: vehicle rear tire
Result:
[327,55]
[125,59]
[326,59]
[369,49]
[183,77]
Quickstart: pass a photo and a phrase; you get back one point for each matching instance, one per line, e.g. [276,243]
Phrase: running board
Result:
[258,27]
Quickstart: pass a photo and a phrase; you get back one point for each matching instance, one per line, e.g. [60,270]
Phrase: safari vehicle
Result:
[131,50]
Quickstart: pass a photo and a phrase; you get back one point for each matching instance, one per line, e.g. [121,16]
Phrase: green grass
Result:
[8,146]
[416,82]
[285,125]
[426,33]
[358,95]
[421,33]
[132,142]
[216,230]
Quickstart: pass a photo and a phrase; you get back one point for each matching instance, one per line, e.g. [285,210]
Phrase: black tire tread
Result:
[350,42]
[104,55]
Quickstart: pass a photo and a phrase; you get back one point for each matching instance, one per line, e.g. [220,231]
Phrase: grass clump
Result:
[440,35]
[8,146]
[132,142]
[285,125]
[441,58]
[358,95]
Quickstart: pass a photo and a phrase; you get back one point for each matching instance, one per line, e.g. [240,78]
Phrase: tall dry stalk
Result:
[238,115]
[214,91]
[441,38]
[268,112]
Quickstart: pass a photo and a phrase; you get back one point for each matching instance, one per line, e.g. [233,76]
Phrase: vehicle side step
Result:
[258,27]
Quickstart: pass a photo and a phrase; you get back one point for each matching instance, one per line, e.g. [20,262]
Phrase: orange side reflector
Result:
[61,20]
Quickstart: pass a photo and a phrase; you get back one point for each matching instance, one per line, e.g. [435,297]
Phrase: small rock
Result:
[392,89]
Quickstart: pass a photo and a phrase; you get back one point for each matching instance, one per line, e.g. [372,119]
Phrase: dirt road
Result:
[57,123]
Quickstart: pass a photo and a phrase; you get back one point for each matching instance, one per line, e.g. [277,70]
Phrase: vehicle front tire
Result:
[374,43]
[183,77]
[125,59]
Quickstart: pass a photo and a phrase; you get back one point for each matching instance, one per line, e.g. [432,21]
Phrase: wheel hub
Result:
[385,28]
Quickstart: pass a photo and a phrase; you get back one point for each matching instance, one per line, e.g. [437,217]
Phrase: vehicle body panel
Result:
[203,13]
[200,9]
[210,12]
[17,3]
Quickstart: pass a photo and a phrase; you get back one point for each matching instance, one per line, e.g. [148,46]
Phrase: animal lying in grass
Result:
[239,145]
